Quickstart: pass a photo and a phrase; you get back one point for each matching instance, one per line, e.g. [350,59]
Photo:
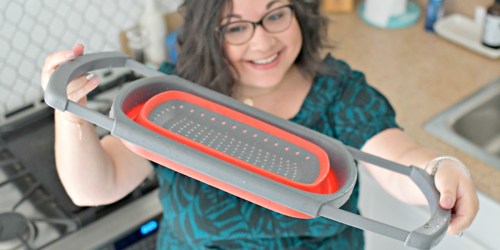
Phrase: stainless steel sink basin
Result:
[473,124]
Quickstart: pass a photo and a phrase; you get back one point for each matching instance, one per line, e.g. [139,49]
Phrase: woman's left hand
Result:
[453,181]
[452,178]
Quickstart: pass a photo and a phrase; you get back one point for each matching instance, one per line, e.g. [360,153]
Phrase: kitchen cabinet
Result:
[377,204]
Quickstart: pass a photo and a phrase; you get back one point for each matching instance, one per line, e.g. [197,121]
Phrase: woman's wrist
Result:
[68,117]
[433,166]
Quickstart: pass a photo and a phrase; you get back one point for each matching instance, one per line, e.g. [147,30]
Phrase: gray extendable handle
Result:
[424,237]
[56,91]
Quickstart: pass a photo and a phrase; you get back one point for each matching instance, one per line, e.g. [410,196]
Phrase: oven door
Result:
[134,225]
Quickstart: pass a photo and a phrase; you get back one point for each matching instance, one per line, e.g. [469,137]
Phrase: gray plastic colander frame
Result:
[311,204]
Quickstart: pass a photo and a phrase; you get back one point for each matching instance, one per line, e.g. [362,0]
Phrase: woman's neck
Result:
[252,94]
[283,99]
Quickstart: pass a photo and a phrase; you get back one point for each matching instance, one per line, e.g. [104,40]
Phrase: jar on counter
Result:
[491,30]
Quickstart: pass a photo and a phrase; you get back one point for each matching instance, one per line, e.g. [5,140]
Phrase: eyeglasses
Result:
[274,21]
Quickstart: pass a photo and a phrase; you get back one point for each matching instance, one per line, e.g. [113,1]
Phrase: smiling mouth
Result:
[265,60]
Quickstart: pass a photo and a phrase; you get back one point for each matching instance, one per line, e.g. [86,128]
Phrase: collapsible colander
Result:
[249,153]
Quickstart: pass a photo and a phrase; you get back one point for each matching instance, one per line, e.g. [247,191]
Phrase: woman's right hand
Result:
[78,89]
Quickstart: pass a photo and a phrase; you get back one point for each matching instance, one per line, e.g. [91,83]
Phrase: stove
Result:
[36,212]
[29,217]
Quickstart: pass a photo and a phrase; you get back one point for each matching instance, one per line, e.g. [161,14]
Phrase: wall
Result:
[32,29]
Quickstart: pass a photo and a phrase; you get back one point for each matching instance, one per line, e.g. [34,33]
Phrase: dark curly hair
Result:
[202,58]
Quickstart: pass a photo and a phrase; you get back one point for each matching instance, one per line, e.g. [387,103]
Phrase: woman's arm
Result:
[93,172]
[452,179]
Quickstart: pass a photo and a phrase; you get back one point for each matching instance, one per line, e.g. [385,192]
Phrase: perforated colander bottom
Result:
[237,139]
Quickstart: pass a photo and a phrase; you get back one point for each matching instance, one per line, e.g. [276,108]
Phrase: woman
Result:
[265,53]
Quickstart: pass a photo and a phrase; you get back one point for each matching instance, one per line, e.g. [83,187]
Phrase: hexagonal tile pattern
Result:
[32,29]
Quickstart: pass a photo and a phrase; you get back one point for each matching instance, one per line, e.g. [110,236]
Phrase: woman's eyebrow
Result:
[268,6]
[231,15]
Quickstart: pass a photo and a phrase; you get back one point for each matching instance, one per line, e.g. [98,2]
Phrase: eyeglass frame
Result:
[257,23]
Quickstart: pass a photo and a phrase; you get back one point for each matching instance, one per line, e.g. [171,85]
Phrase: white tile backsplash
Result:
[14,12]
[32,29]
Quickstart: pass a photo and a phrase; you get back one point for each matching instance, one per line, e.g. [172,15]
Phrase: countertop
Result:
[421,74]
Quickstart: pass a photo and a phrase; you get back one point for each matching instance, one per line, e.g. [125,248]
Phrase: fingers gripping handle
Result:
[56,91]
[435,228]
[424,237]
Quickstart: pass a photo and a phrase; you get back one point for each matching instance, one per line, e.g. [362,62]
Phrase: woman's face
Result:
[265,58]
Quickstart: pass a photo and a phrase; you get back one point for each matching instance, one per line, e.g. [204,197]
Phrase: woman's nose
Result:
[261,39]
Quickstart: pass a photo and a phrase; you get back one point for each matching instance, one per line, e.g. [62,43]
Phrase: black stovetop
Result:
[27,154]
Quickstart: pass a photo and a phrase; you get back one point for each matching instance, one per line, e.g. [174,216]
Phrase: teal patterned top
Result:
[340,104]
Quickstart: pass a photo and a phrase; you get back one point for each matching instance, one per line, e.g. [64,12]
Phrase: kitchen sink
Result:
[473,124]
